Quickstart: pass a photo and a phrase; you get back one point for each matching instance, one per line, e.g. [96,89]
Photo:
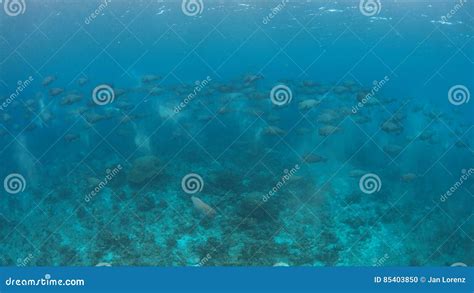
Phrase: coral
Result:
[251,206]
[145,203]
[143,170]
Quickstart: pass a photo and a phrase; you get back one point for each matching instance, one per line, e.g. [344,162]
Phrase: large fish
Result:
[203,207]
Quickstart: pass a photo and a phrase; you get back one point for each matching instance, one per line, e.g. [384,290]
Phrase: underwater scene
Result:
[236,133]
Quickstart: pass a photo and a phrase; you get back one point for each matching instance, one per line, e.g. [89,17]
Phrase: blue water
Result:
[270,184]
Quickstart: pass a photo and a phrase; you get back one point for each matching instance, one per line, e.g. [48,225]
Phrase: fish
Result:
[392,149]
[46,116]
[92,182]
[130,118]
[82,81]
[398,117]
[408,177]
[71,137]
[427,135]
[251,78]
[225,88]
[124,105]
[309,83]
[367,99]
[149,78]
[48,80]
[71,99]
[351,84]
[312,158]
[224,110]
[94,117]
[79,111]
[362,119]
[327,117]
[357,173]
[273,130]
[203,207]
[119,92]
[328,130]
[56,91]
[30,102]
[434,114]
[308,104]
[391,126]
[155,91]
[362,95]
[341,89]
